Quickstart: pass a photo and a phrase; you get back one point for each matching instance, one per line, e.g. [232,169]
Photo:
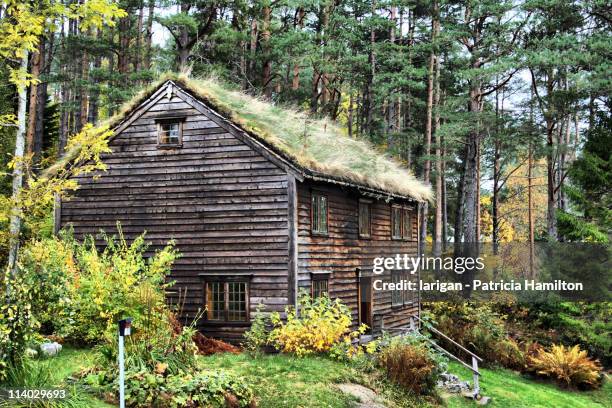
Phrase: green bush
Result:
[17,324]
[115,283]
[49,266]
[159,389]
[256,338]
[475,326]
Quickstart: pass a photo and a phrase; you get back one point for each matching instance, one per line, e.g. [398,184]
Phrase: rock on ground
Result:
[367,398]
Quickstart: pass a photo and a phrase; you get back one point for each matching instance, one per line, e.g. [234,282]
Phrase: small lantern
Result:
[125,326]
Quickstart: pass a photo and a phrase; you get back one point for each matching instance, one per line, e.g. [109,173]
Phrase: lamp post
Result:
[125,329]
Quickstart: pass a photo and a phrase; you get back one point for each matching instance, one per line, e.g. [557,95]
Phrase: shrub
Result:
[321,324]
[509,354]
[17,324]
[118,282]
[158,389]
[49,266]
[570,367]
[475,326]
[413,366]
[257,336]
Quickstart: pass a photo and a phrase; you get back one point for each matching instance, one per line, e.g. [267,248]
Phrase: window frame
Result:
[313,208]
[406,233]
[401,298]
[405,230]
[368,204]
[315,282]
[170,120]
[397,297]
[319,276]
[225,282]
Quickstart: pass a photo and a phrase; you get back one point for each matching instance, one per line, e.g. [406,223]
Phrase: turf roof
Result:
[315,146]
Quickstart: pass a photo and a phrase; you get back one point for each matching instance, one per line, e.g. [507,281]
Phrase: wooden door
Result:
[365,302]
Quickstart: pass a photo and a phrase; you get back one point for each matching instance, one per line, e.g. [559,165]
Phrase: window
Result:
[319,288]
[404,296]
[401,225]
[396,222]
[227,301]
[365,219]
[396,295]
[410,296]
[406,224]
[170,132]
[319,214]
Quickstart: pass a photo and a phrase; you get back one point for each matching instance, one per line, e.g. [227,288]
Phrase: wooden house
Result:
[262,202]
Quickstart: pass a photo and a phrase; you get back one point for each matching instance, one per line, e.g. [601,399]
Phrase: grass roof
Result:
[317,146]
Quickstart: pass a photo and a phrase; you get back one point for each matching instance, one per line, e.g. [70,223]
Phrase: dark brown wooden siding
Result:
[223,203]
[342,251]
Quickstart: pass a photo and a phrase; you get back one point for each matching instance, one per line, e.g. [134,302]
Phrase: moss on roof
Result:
[317,146]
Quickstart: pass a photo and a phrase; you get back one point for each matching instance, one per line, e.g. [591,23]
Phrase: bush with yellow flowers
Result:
[319,326]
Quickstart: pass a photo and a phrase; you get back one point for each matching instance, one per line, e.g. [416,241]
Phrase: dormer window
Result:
[170,132]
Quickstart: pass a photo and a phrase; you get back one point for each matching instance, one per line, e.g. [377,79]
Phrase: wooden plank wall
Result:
[223,203]
[342,251]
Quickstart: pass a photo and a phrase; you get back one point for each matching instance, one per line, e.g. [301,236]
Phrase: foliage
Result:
[35,200]
[21,31]
[473,325]
[510,354]
[411,365]
[158,388]
[17,324]
[257,336]
[48,265]
[568,366]
[114,283]
[591,176]
[570,323]
[321,324]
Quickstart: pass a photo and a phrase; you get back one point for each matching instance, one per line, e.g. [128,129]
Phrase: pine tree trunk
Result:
[551,200]
[20,142]
[530,209]
[47,57]
[299,24]
[428,130]
[438,221]
[124,43]
[83,91]
[470,192]
[496,176]
[138,50]
[253,47]
[95,92]
[371,78]
[64,95]
[35,64]
[149,37]
[551,197]
[266,78]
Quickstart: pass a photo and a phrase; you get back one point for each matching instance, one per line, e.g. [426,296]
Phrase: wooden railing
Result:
[475,359]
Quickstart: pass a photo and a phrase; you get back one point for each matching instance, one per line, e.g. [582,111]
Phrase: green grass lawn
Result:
[510,389]
[68,362]
[284,381]
[281,380]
